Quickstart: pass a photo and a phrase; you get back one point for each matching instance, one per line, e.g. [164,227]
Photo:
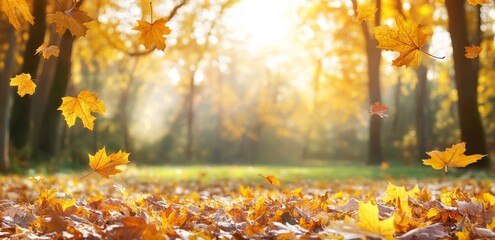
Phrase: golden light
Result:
[263,22]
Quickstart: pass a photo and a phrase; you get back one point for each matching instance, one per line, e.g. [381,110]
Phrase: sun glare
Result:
[263,22]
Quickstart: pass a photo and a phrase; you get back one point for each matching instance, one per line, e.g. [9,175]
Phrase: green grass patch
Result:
[289,173]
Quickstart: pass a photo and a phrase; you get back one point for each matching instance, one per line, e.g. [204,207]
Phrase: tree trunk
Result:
[373,57]
[5,75]
[466,79]
[190,117]
[20,123]
[422,112]
[48,138]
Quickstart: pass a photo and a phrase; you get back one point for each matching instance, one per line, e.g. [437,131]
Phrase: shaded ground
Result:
[236,203]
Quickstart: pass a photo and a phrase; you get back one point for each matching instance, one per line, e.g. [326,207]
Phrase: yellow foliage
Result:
[407,39]
[81,106]
[24,83]
[106,165]
[152,33]
[72,19]
[9,7]
[366,11]
[369,221]
[451,157]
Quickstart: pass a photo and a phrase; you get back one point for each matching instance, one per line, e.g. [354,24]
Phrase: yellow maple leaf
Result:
[366,11]
[24,83]
[81,106]
[9,7]
[407,39]
[472,51]
[463,235]
[451,157]
[72,19]
[106,165]
[478,2]
[369,221]
[48,51]
[152,33]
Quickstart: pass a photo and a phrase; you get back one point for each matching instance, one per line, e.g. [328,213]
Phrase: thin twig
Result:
[433,56]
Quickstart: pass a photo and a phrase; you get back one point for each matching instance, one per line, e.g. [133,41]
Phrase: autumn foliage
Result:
[105,206]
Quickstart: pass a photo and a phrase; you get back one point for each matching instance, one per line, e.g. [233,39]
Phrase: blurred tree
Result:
[467,77]
[373,57]
[7,54]
[21,121]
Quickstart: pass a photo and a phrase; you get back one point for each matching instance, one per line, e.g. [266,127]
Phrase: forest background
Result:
[249,82]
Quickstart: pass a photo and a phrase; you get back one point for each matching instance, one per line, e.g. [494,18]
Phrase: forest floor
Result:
[204,202]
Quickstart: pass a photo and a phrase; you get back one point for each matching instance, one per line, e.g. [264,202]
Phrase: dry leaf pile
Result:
[64,206]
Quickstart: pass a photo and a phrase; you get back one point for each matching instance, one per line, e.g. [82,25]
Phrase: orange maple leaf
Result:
[377,109]
[9,7]
[451,157]
[72,19]
[407,39]
[24,83]
[272,179]
[365,11]
[106,165]
[472,51]
[152,33]
[81,106]
[48,51]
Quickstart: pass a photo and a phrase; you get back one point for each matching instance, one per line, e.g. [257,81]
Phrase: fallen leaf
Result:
[24,83]
[48,51]
[407,39]
[366,11]
[434,231]
[369,221]
[384,165]
[106,165]
[377,109]
[9,7]
[152,33]
[36,179]
[477,2]
[472,51]
[451,157]
[72,19]
[81,106]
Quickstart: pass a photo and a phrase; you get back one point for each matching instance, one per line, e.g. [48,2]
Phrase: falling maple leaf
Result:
[72,19]
[365,11]
[81,106]
[472,51]
[477,2]
[48,51]
[9,7]
[24,83]
[369,221]
[451,157]
[106,165]
[272,179]
[407,39]
[377,109]
[152,33]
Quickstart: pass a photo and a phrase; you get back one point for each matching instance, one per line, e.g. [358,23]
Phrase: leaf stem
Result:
[151,9]
[433,56]
[83,177]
